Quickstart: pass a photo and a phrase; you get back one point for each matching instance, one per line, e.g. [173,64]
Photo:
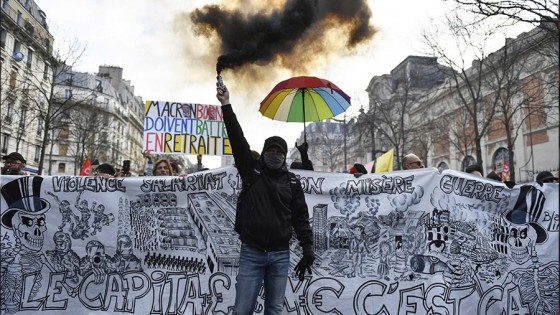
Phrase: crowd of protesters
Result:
[14,164]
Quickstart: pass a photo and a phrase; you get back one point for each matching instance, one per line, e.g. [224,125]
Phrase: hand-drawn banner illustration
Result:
[394,243]
[184,128]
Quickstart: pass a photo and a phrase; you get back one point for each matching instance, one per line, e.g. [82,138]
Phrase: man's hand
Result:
[305,263]
[147,154]
[222,94]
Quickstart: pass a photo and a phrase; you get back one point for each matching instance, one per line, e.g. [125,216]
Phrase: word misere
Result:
[383,185]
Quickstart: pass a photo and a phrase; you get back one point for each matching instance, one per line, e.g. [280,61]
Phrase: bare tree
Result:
[526,11]
[467,81]
[391,116]
[84,136]
[48,101]
[521,96]
[366,128]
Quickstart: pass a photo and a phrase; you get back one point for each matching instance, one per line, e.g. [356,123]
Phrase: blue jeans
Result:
[254,268]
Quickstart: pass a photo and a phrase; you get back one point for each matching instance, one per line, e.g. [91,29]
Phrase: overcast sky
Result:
[165,61]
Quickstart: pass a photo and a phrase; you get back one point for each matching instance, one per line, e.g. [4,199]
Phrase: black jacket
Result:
[271,206]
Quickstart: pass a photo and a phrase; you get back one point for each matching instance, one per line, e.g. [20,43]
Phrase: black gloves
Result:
[305,263]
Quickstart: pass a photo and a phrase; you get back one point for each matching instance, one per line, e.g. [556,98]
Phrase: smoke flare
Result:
[281,34]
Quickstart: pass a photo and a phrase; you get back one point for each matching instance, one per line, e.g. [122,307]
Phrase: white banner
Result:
[406,242]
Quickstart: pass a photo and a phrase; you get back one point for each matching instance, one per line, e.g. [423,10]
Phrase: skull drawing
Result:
[30,230]
[62,242]
[521,239]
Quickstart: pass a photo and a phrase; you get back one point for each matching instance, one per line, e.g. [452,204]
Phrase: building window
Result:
[26,88]
[64,132]
[29,58]
[3,36]
[61,167]
[13,79]
[19,18]
[37,154]
[40,122]
[69,78]
[62,149]
[68,93]
[23,117]
[5,142]
[4,4]
[93,99]
[17,47]
[99,86]
[46,71]
[8,116]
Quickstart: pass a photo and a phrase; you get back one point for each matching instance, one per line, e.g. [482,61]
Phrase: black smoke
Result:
[259,38]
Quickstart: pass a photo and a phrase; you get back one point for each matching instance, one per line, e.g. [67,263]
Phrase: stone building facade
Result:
[518,102]
[104,122]
[100,116]
[26,64]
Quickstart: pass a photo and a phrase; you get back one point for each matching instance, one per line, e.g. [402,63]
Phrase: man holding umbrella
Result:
[271,203]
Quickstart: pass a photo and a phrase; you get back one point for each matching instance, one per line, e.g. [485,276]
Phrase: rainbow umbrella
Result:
[304,99]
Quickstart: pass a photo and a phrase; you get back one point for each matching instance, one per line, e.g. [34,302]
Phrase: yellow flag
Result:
[384,163]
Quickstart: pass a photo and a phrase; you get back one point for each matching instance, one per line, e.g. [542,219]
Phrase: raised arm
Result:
[239,145]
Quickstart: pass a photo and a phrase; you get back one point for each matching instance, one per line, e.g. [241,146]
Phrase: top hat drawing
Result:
[521,214]
[23,195]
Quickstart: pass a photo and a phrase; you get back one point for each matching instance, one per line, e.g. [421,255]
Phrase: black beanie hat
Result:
[277,141]
[106,168]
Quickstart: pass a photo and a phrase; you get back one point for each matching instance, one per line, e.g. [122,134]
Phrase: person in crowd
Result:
[199,167]
[256,155]
[162,168]
[93,166]
[175,168]
[475,169]
[546,177]
[13,164]
[493,175]
[358,170]
[148,171]
[105,170]
[265,224]
[305,163]
[411,161]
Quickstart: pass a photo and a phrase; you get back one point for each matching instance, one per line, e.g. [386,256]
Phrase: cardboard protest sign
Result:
[184,128]
[393,243]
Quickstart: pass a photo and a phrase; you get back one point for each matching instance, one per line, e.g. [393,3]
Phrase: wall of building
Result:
[25,54]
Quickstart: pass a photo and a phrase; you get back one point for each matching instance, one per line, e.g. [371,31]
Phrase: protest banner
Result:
[395,243]
[184,128]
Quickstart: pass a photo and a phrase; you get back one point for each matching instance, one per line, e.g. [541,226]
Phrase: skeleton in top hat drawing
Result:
[536,280]
[25,216]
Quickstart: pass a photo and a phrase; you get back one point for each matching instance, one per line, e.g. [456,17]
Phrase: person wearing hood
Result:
[271,203]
